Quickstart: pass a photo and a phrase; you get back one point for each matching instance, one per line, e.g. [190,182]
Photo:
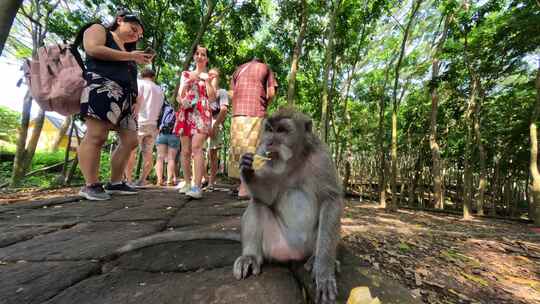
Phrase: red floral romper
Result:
[194,114]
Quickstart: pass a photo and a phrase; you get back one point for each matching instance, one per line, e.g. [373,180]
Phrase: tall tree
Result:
[329,58]
[205,21]
[38,14]
[438,181]
[297,52]
[395,105]
[8,10]
[533,166]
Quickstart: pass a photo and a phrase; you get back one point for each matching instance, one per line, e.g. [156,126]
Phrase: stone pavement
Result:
[61,251]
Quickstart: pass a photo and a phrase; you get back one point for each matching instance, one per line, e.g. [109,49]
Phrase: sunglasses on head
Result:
[132,18]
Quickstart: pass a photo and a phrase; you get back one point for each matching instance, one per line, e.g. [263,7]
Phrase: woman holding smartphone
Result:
[194,119]
[108,99]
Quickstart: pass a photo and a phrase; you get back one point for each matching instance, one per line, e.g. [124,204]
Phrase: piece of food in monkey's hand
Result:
[258,161]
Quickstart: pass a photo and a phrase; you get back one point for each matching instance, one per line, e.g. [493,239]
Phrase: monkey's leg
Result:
[324,265]
[252,233]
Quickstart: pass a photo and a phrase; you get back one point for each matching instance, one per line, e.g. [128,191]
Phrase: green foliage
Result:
[9,124]
[41,160]
[493,40]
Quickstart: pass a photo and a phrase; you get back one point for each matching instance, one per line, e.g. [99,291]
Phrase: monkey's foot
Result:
[326,289]
[309,264]
[243,264]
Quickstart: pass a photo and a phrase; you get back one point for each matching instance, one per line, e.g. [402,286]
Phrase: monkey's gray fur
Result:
[295,210]
[296,205]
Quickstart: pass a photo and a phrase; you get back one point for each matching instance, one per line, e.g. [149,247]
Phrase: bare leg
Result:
[161,155]
[130,165]
[213,155]
[89,150]
[242,189]
[147,145]
[198,157]
[186,158]
[128,142]
[171,165]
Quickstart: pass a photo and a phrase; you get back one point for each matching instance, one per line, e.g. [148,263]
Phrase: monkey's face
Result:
[282,139]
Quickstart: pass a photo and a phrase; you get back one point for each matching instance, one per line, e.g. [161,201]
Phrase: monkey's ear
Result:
[308,125]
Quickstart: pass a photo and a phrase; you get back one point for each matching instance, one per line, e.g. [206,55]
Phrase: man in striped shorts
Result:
[253,85]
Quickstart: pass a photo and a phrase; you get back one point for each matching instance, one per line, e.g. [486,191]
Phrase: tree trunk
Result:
[34,139]
[393,154]
[18,163]
[482,184]
[496,185]
[382,157]
[467,164]
[296,54]
[433,144]
[204,25]
[533,166]
[327,65]
[8,10]
[61,133]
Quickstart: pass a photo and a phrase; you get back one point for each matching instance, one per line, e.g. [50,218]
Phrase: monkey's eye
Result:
[267,128]
[282,129]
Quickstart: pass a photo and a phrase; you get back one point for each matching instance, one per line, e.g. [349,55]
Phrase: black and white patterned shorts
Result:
[106,100]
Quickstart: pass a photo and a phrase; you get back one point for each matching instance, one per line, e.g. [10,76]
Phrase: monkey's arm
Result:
[328,236]
[259,184]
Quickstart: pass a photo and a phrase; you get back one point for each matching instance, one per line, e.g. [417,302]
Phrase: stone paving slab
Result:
[62,252]
[275,285]
[31,283]
[72,212]
[18,233]
[40,203]
[83,241]
[181,257]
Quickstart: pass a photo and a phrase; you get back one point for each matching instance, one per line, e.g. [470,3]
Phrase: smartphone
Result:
[150,51]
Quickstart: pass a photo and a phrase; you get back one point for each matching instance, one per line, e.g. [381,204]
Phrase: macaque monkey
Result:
[295,208]
[296,203]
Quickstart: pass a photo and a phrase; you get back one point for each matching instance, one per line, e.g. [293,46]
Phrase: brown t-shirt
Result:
[249,84]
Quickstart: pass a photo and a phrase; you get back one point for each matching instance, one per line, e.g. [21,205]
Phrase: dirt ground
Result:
[440,258]
[444,259]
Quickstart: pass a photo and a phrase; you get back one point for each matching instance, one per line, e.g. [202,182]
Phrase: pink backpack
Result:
[55,78]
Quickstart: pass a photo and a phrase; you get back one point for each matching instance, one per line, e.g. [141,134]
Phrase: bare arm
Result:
[270,88]
[94,44]
[221,116]
[181,92]
[270,93]
[94,40]
[214,86]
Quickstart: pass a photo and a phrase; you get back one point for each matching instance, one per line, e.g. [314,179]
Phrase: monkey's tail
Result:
[177,236]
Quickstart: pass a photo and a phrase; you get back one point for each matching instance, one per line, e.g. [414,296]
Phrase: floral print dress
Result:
[194,115]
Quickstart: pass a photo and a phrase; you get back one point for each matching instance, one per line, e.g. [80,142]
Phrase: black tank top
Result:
[122,72]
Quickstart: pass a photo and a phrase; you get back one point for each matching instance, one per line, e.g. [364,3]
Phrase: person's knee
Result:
[129,143]
[186,153]
[161,157]
[96,140]
[146,150]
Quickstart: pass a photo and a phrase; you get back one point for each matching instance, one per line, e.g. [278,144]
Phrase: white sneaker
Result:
[184,187]
[195,192]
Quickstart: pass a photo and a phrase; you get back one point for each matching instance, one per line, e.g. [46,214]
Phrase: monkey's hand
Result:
[325,280]
[243,264]
[246,166]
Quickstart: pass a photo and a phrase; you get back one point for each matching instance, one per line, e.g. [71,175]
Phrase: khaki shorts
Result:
[245,133]
[147,137]
[216,142]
